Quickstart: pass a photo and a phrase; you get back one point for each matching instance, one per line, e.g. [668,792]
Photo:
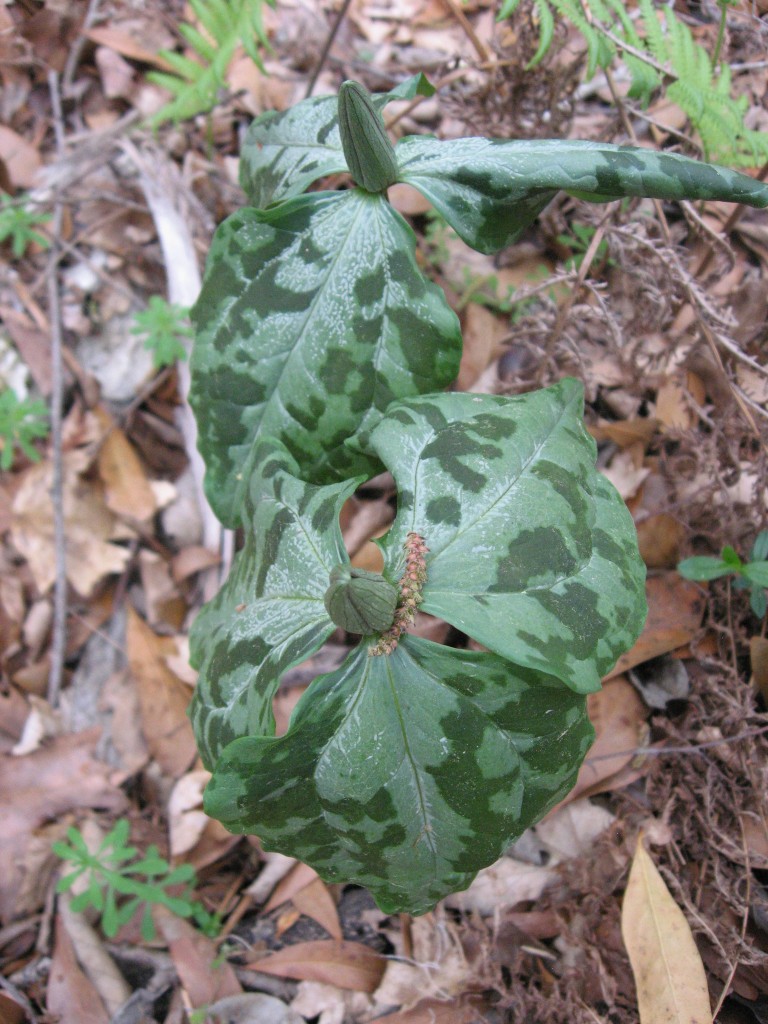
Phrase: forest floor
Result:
[660,309]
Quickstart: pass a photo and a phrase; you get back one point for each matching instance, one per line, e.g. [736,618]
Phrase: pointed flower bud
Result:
[369,153]
[360,601]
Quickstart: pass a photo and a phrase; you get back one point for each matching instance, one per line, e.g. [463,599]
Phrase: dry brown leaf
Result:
[660,538]
[122,41]
[93,957]
[438,968]
[673,401]
[483,333]
[504,884]
[47,784]
[127,490]
[192,559]
[163,697]
[464,1010]
[618,716]
[164,605]
[332,1004]
[570,830]
[186,818]
[21,158]
[315,901]
[669,974]
[70,995]
[290,883]
[275,866]
[349,965]
[675,610]
[88,522]
[12,1012]
[204,975]
[119,696]
[253,1008]
[626,470]
[117,75]
[625,433]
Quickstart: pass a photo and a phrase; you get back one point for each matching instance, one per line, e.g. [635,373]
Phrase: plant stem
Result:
[723,5]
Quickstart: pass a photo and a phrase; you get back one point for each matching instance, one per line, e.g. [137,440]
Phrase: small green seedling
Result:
[119,883]
[164,326]
[18,222]
[22,421]
[752,574]
[321,358]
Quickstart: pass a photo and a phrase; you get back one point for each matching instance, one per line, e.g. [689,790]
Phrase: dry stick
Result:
[584,267]
[59,629]
[73,58]
[327,48]
[462,19]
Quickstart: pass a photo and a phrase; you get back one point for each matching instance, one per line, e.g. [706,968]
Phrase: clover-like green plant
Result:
[22,421]
[119,882]
[18,221]
[751,575]
[321,358]
[164,326]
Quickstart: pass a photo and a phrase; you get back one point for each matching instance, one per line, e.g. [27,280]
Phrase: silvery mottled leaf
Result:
[285,151]
[532,552]
[490,190]
[407,773]
[314,316]
[269,615]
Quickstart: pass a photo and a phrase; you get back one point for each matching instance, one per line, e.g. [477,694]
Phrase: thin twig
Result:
[327,48]
[584,268]
[59,628]
[692,748]
[470,33]
[73,58]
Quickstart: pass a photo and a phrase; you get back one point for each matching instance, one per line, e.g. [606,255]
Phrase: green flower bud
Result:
[360,601]
[369,153]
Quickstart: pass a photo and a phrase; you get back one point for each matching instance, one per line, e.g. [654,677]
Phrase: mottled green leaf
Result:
[532,552]
[285,151]
[313,317]
[490,190]
[269,615]
[407,773]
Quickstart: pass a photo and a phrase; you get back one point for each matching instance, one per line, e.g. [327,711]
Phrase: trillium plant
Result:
[322,358]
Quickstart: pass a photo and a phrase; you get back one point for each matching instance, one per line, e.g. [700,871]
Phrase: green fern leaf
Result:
[196,83]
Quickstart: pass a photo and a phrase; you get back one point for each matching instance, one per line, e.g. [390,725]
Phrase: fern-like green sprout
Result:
[196,83]
[22,421]
[659,51]
[18,221]
[119,883]
[164,325]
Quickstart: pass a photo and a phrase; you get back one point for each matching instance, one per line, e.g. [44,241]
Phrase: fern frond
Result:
[197,81]
[546,30]
[659,50]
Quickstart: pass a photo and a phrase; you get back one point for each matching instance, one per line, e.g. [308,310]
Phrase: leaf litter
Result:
[540,937]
